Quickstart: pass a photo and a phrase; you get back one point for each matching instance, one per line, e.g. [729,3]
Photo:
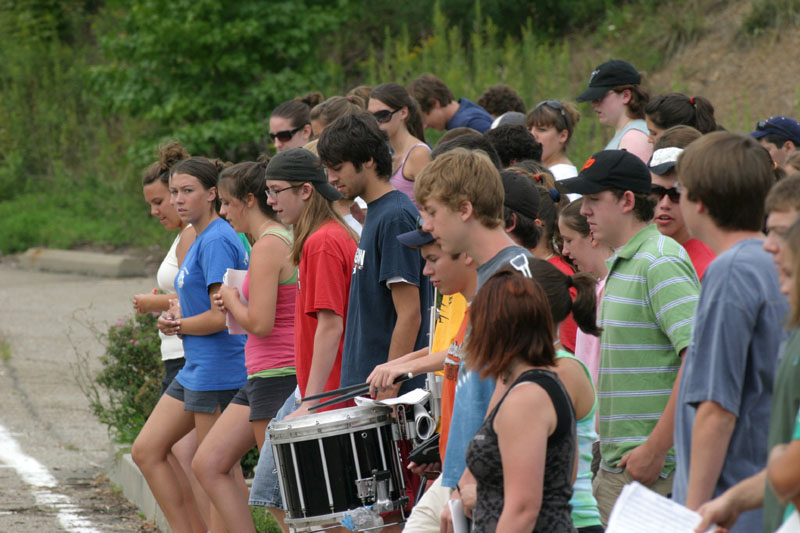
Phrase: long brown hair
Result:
[316,211]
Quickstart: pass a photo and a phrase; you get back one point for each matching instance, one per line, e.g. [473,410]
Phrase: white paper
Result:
[414,397]
[792,524]
[235,278]
[640,509]
[460,524]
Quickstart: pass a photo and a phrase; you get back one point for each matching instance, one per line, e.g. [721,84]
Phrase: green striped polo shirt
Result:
[646,314]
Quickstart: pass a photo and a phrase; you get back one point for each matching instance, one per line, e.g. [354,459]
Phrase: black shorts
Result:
[265,396]
[171,369]
[200,401]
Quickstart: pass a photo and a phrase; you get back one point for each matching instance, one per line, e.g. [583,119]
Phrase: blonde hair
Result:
[316,211]
[460,176]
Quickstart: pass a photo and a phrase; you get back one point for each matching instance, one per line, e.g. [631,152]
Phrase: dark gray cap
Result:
[298,164]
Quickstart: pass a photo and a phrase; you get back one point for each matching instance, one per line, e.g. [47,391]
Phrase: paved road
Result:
[53,451]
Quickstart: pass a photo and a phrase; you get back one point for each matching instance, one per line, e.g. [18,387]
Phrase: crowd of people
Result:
[634,319]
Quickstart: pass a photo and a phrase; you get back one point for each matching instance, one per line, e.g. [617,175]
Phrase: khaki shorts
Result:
[426,515]
[606,487]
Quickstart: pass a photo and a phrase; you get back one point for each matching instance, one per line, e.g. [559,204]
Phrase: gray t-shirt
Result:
[731,360]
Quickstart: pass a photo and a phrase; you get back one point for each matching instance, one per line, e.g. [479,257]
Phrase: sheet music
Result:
[640,509]
[413,397]
[235,278]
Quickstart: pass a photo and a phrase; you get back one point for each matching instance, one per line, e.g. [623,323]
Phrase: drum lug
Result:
[366,488]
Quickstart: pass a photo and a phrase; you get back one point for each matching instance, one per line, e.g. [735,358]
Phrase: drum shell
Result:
[355,442]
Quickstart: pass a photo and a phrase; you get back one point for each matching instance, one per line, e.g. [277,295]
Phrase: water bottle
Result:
[362,518]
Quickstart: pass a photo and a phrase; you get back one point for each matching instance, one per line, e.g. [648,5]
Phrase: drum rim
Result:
[363,417]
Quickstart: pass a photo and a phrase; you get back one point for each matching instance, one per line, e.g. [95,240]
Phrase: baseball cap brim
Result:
[328,191]
[580,185]
[663,168]
[760,133]
[415,238]
[593,93]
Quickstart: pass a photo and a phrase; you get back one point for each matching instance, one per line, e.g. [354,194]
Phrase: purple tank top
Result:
[406,186]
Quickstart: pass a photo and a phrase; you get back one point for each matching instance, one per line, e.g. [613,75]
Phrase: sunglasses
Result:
[673,192]
[558,106]
[420,222]
[764,124]
[384,115]
[285,135]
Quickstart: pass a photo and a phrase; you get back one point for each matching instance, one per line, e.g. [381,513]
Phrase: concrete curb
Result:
[79,262]
[124,473]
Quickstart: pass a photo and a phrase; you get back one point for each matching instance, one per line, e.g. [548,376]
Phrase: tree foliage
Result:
[211,70]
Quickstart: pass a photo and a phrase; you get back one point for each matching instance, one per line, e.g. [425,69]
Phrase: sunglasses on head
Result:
[673,192]
[285,135]
[764,124]
[384,115]
[558,106]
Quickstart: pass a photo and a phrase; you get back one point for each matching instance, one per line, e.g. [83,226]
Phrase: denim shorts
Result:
[171,369]
[201,401]
[266,489]
[265,396]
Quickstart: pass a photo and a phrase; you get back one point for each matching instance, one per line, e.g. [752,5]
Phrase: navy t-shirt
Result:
[470,115]
[371,316]
[216,361]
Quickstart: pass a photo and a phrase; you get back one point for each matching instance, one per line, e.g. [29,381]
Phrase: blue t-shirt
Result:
[470,115]
[371,316]
[731,360]
[473,393]
[216,361]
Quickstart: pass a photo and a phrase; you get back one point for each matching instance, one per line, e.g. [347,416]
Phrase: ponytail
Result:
[556,285]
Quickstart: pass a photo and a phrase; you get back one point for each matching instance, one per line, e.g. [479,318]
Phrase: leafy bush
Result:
[125,391]
[766,14]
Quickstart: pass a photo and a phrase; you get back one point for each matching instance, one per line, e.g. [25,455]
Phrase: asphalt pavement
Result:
[53,451]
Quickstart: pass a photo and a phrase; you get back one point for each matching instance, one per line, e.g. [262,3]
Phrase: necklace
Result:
[510,372]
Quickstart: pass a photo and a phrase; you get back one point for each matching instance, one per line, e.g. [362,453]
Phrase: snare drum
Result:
[331,462]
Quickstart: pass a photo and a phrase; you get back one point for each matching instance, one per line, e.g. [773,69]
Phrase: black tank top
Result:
[485,463]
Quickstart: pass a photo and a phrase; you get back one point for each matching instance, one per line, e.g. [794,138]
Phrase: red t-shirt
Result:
[568,329]
[700,254]
[323,282]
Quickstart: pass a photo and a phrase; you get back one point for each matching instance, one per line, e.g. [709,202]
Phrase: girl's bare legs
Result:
[167,424]
[204,422]
[215,465]
[193,494]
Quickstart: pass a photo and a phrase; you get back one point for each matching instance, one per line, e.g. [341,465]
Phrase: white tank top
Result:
[171,345]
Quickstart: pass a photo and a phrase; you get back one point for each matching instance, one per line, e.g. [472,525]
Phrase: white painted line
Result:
[37,476]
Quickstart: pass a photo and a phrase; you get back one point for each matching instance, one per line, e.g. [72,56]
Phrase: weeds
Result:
[769,14]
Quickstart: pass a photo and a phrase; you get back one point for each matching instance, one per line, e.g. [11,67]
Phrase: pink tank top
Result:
[276,350]
[406,186]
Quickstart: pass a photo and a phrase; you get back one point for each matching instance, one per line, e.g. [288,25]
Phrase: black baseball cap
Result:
[298,164]
[611,169]
[520,194]
[607,76]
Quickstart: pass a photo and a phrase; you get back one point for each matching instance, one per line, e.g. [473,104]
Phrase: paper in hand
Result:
[235,278]
[640,509]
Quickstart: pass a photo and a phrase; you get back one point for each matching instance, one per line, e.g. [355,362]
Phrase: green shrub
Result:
[127,388]
[766,14]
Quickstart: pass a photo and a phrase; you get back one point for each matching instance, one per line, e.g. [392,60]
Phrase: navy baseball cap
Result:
[607,76]
[611,169]
[416,238]
[520,195]
[782,126]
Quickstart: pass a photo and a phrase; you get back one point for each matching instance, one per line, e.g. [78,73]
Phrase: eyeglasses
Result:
[558,106]
[285,135]
[658,191]
[764,124]
[274,193]
[384,115]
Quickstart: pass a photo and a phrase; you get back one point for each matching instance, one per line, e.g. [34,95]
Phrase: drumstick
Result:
[356,392]
[334,392]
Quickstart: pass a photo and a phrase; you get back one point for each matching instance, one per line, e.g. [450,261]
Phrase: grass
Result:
[264,521]
[769,14]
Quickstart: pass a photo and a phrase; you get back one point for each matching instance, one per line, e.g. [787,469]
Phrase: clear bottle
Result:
[362,518]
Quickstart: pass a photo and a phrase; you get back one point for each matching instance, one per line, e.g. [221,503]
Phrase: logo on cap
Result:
[588,163]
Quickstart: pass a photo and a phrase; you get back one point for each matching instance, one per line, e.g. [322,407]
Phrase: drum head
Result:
[329,423]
